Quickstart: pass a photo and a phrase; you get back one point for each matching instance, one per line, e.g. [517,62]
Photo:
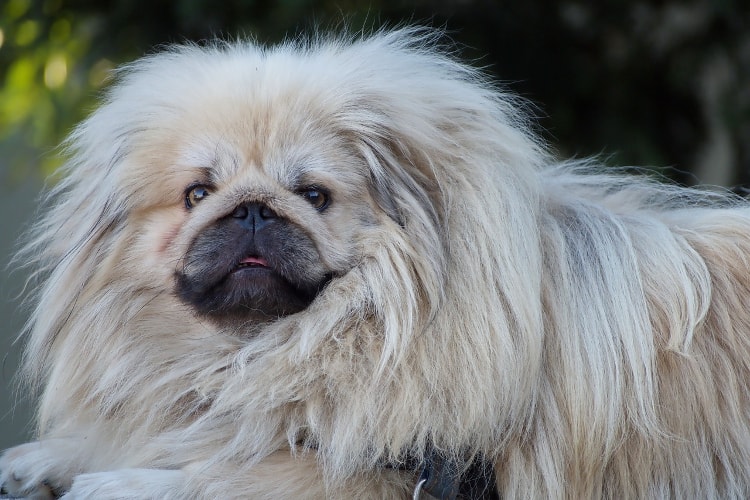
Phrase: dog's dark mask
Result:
[251,264]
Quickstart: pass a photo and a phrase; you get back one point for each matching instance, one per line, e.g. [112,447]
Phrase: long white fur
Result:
[589,332]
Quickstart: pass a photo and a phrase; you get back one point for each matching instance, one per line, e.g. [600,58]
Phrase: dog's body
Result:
[278,274]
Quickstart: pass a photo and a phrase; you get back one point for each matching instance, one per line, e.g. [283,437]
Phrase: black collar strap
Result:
[446,479]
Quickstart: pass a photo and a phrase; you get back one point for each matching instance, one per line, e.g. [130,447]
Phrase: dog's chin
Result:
[248,294]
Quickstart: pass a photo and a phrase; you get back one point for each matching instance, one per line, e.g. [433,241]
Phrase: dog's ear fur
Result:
[396,188]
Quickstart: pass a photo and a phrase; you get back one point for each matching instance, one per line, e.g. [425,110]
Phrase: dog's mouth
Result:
[252,261]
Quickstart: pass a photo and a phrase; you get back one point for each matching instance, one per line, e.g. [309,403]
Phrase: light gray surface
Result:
[17,207]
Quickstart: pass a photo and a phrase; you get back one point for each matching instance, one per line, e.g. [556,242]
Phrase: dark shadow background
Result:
[664,84]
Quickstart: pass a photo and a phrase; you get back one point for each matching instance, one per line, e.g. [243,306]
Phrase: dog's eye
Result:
[317,197]
[195,194]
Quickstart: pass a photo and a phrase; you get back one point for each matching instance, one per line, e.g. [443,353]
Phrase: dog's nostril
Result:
[266,213]
[240,212]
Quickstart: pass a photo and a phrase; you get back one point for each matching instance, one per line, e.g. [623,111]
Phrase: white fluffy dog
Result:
[347,269]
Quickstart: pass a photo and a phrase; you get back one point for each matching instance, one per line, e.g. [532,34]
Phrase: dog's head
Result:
[245,182]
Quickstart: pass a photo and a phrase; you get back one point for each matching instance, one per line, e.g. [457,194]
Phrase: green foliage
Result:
[49,77]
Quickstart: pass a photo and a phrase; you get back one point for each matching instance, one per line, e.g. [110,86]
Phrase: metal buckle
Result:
[418,489]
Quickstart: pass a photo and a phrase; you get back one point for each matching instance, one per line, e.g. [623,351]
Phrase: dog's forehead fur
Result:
[241,133]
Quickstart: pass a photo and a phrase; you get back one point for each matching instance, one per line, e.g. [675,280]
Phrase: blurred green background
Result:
[662,83]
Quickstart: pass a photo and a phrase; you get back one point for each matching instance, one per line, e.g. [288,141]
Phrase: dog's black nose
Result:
[254,216]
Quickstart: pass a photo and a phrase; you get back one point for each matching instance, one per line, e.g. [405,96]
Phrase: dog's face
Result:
[249,213]
[262,238]
[252,261]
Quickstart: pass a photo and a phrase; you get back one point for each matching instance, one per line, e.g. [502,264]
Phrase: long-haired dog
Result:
[345,268]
